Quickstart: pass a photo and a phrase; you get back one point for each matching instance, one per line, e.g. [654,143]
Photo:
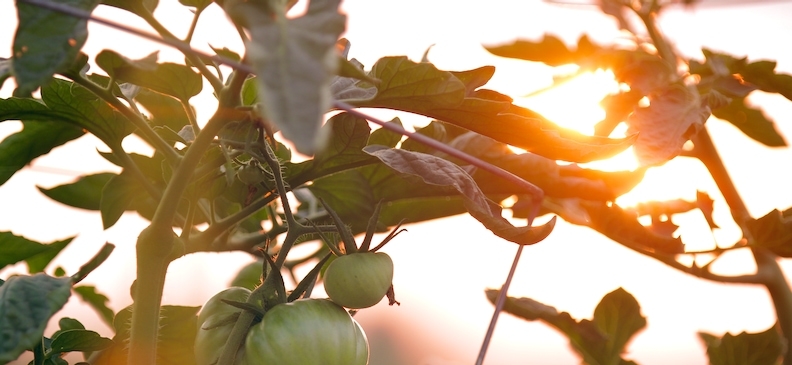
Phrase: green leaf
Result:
[5,70]
[752,122]
[36,138]
[348,135]
[172,79]
[165,110]
[618,316]
[249,276]
[139,7]
[46,42]
[434,130]
[774,232]
[675,114]
[764,348]
[85,193]
[79,340]
[199,5]
[97,301]
[15,248]
[349,194]
[94,262]
[26,305]
[295,63]
[385,137]
[436,171]
[117,196]
[75,104]
[178,327]
[249,91]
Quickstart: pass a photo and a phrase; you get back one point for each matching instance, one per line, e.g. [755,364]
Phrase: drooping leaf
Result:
[295,63]
[73,103]
[436,171]
[94,262]
[751,121]
[46,42]
[85,193]
[79,340]
[764,348]
[178,326]
[172,79]
[26,305]
[624,228]
[675,114]
[36,138]
[15,248]
[774,232]
[117,196]
[97,301]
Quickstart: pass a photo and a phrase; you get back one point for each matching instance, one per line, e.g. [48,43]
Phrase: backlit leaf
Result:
[295,62]
[624,228]
[15,248]
[165,110]
[774,232]
[675,114]
[753,122]
[550,50]
[172,79]
[97,301]
[618,316]
[37,138]
[79,340]
[46,42]
[763,75]
[26,305]
[85,193]
[436,171]
[117,196]
[764,348]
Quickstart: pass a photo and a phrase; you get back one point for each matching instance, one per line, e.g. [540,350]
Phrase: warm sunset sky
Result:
[443,267]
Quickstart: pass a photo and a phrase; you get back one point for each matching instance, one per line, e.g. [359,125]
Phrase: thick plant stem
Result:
[767,267]
[145,311]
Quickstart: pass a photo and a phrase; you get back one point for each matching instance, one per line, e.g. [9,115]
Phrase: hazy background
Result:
[442,267]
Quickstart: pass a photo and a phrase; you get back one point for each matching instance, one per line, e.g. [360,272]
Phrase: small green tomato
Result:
[359,280]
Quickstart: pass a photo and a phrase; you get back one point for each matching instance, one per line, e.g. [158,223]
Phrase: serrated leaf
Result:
[774,232]
[97,301]
[178,327]
[79,340]
[764,348]
[172,79]
[295,63]
[15,248]
[85,193]
[425,90]
[675,114]
[73,103]
[117,195]
[26,305]
[37,138]
[46,42]
[752,122]
[436,171]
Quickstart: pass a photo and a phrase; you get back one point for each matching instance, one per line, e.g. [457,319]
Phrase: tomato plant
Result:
[215,322]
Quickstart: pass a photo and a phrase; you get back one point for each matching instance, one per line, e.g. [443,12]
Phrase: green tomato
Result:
[359,280]
[306,332]
[212,336]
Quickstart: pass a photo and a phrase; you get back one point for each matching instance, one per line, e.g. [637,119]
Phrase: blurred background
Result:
[443,267]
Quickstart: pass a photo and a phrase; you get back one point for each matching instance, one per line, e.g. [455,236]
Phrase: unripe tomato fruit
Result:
[307,332]
[209,342]
[359,280]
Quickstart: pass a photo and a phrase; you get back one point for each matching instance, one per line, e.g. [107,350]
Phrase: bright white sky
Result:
[443,267]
